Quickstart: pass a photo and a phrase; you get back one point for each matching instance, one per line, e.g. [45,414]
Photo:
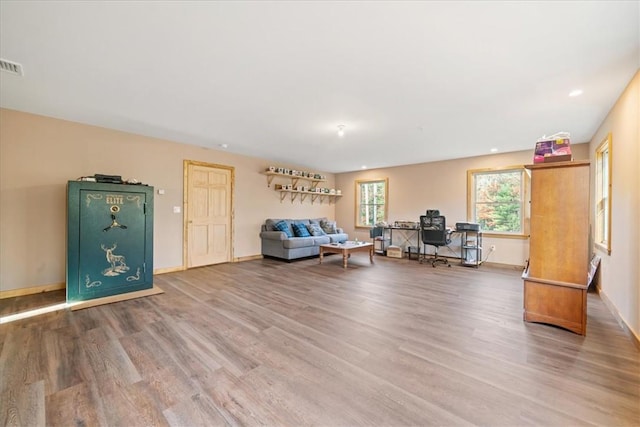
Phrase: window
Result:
[496,200]
[603,194]
[371,202]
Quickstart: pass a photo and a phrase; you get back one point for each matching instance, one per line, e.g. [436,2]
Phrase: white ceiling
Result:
[411,81]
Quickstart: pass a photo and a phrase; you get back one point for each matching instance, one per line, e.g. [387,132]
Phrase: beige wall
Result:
[439,185]
[38,155]
[620,271]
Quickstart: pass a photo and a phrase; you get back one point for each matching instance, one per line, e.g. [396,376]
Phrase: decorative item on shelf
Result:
[554,148]
[406,224]
[298,184]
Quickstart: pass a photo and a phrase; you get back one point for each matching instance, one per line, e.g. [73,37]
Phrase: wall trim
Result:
[247,258]
[502,265]
[168,270]
[32,290]
[616,314]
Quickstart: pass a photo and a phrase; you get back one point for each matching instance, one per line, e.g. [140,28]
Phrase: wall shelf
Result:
[321,197]
[294,179]
[294,191]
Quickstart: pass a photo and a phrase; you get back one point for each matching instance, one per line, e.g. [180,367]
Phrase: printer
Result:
[467,226]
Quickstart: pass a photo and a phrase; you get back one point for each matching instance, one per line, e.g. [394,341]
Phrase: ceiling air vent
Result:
[11,67]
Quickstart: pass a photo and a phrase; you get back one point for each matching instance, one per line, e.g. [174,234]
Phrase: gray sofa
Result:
[277,244]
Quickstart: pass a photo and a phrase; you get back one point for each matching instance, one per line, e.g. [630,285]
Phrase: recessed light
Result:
[224,145]
[576,92]
[494,150]
[363,167]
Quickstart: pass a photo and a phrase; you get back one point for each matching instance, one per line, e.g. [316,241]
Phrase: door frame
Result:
[185,206]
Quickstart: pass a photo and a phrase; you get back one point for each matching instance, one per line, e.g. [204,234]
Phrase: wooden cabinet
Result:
[110,239]
[555,280]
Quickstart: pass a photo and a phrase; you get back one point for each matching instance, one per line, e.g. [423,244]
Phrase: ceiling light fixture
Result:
[224,145]
[494,150]
[576,92]
[341,131]
[363,167]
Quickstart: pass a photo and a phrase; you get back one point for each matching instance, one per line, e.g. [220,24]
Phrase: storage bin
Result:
[394,252]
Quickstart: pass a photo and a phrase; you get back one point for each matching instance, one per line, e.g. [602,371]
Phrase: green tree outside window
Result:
[497,200]
[371,202]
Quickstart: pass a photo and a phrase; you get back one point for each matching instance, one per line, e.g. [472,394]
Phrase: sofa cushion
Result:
[315,229]
[300,230]
[338,238]
[321,240]
[284,227]
[298,242]
[329,227]
[269,224]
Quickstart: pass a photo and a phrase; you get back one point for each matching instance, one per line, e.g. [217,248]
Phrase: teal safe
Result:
[109,239]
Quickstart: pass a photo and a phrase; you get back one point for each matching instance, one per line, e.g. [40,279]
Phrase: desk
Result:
[405,236]
[470,253]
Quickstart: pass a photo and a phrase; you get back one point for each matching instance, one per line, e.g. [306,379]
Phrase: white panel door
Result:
[208,215]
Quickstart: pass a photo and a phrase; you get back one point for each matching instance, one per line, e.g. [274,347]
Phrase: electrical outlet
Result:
[493,248]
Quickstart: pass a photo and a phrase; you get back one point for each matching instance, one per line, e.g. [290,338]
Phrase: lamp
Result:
[341,131]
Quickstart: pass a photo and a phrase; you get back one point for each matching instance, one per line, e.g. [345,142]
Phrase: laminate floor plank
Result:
[475,399]
[59,352]
[198,410]
[165,380]
[23,406]
[20,359]
[337,392]
[110,364]
[265,342]
[71,406]
[534,383]
[24,303]
[133,405]
[239,402]
[192,357]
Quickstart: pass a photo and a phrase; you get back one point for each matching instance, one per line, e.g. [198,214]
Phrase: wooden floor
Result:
[269,343]
[15,305]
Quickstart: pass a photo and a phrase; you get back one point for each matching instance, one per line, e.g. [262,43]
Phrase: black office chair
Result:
[433,232]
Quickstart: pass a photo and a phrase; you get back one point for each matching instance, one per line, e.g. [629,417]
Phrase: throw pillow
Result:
[315,229]
[328,227]
[283,226]
[300,230]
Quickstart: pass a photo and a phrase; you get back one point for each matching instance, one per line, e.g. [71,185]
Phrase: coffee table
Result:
[346,249]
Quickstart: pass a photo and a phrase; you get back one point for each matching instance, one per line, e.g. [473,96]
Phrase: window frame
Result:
[602,230]
[524,199]
[358,204]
